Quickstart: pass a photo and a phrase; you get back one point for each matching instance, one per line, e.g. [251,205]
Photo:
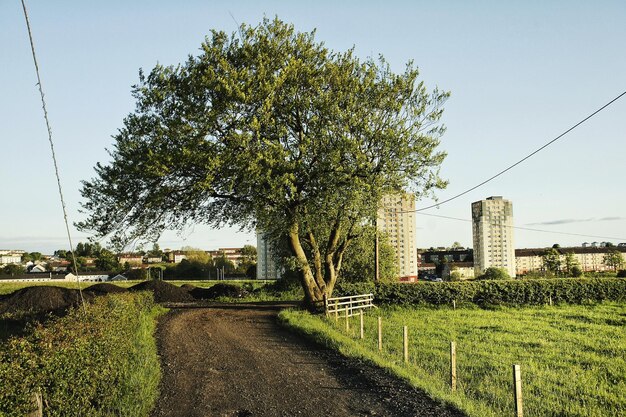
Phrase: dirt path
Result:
[225,361]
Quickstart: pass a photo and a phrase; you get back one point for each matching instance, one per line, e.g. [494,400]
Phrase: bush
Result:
[621,273]
[506,292]
[493,273]
[576,271]
[455,276]
[102,363]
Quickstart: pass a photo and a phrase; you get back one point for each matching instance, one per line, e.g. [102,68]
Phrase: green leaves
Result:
[101,364]
[268,128]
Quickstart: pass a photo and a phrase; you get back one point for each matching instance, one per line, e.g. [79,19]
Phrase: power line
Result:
[526,228]
[525,158]
[54,159]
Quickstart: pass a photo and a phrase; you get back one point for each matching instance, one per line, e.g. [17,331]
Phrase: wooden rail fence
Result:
[349,305]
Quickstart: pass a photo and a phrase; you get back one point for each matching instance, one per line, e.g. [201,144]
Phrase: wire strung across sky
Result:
[524,158]
[526,228]
[54,159]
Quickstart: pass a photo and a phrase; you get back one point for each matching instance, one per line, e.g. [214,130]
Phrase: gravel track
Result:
[237,361]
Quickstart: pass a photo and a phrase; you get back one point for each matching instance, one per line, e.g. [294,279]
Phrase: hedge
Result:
[101,363]
[507,292]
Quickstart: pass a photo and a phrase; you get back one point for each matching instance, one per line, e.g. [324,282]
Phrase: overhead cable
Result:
[524,158]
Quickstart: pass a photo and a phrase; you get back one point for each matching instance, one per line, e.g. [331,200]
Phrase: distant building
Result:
[449,256]
[589,259]
[459,260]
[266,265]
[175,256]
[232,254]
[10,258]
[396,218]
[12,252]
[492,230]
[132,259]
[88,277]
[37,269]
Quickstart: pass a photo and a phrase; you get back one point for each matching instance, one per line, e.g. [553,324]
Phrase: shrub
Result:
[455,276]
[101,363]
[621,273]
[493,273]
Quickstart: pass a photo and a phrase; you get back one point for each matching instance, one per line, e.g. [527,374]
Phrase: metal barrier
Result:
[349,305]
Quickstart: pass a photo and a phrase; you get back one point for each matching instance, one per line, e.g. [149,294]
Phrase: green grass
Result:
[141,379]
[102,362]
[573,358]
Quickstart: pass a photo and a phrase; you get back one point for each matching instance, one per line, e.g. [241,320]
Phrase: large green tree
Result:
[107,261]
[268,128]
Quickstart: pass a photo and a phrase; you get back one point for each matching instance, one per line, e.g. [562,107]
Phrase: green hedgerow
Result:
[493,292]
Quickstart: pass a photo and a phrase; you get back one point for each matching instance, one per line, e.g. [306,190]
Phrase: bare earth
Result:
[237,361]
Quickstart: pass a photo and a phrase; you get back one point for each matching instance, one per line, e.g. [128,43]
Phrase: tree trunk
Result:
[314,295]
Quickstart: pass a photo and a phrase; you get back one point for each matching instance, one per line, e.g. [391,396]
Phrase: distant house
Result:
[176,256]
[153,259]
[37,269]
[88,277]
[133,259]
[119,277]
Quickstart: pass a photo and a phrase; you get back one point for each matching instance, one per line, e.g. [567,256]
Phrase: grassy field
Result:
[573,358]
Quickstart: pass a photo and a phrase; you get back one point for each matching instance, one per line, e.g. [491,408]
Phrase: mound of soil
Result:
[188,287]
[104,288]
[163,291]
[219,290]
[42,299]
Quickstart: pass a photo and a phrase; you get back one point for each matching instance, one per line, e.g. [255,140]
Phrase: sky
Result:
[519,73]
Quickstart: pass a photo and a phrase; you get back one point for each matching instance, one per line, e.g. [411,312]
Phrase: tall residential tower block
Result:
[492,229]
[396,218]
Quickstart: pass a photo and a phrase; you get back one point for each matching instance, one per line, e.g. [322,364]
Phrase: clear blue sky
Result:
[520,74]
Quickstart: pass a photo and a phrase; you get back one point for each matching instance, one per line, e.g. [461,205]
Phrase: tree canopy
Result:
[552,261]
[493,273]
[613,259]
[268,128]
[359,264]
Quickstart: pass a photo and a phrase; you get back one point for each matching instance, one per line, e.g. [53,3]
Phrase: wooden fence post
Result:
[347,321]
[362,330]
[326,305]
[405,339]
[453,366]
[380,333]
[454,304]
[517,391]
[336,310]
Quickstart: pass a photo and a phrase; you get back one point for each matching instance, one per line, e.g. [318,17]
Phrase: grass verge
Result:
[102,363]
[573,358]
